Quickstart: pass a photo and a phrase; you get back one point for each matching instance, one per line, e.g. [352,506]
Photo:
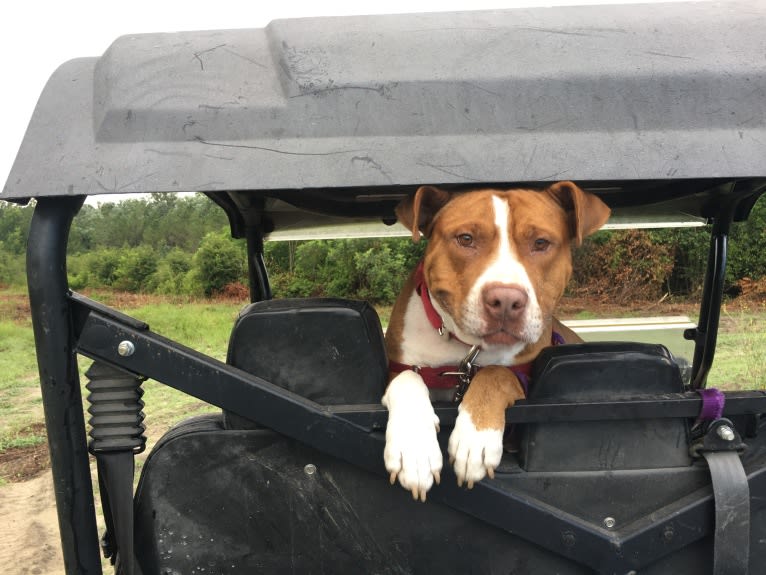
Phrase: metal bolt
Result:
[725,432]
[668,533]
[568,539]
[609,522]
[310,469]
[126,348]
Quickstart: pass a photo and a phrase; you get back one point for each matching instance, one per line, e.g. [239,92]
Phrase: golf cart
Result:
[323,125]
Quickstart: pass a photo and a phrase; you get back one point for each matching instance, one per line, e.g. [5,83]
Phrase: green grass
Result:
[203,326]
[740,361]
[21,439]
[19,388]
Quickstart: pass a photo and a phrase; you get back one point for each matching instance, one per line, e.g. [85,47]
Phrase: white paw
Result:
[412,453]
[474,453]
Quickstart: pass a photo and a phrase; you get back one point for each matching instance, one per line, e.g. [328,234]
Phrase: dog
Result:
[494,269]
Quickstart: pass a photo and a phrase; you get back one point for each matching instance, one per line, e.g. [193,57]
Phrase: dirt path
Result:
[29,538]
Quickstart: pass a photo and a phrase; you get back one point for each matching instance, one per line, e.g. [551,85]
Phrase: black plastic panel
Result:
[252,501]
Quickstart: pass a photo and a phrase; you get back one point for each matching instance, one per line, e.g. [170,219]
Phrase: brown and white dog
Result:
[496,264]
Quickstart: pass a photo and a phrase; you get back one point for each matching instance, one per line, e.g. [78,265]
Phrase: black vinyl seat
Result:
[328,350]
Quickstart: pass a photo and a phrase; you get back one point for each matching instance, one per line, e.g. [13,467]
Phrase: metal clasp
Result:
[466,371]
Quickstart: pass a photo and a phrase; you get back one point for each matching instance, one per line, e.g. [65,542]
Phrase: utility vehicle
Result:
[321,126]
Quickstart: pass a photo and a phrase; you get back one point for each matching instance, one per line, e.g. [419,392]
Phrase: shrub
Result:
[380,273]
[11,268]
[102,266]
[622,266]
[169,279]
[135,268]
[219,260]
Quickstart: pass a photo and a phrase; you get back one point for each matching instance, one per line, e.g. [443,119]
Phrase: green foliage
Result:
[102,266]
[135,269]
[219,261]
[164,221]
[175,245]
[689,250]
[14,227]
[381,272]
[370,269]
[171,275]
[11,267]
[747,257]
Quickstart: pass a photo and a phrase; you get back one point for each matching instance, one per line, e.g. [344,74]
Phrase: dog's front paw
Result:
[412,453]
[473,452]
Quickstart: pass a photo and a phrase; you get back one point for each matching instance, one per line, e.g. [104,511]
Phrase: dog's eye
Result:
[541,244]
[465,240]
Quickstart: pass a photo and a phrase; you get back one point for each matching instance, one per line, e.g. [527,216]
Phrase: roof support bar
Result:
[258,276]
[705,335]
[60,383]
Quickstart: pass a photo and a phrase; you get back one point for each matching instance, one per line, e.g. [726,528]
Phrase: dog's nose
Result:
[504,302]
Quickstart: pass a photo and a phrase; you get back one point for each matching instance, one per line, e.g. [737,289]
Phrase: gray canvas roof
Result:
[602,93]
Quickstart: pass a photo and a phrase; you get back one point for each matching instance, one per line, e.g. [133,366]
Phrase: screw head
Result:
[126,348]
[610,522]
[725,432]
[568,539]
[310,469]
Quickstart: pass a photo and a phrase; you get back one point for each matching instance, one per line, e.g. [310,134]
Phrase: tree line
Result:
[167,244]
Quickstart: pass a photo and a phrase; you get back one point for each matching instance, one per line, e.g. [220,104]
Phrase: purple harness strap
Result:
[713,401]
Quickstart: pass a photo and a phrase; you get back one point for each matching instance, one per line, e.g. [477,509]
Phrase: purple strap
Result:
[523,378]
[713,401]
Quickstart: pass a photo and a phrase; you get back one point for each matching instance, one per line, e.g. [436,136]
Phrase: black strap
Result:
[116,478]
[721,447]
[732,513]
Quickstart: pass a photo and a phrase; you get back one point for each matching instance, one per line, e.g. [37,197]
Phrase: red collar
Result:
[420,286]
[433,316]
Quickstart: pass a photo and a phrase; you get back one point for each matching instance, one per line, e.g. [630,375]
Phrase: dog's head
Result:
[497,262]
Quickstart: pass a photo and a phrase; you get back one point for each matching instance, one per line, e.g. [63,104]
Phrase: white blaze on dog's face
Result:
[497,262]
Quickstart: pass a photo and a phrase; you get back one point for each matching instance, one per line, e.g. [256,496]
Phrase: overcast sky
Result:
[38,35]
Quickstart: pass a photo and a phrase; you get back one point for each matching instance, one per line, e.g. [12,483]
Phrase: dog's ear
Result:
[587,213]
[417,212]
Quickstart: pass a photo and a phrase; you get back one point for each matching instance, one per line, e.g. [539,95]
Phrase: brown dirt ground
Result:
[29,536]
[19,464]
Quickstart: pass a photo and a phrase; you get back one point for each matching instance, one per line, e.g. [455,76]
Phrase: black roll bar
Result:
[705,335]
[60,381]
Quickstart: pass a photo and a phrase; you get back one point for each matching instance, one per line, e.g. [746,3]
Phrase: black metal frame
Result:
[705,335]
[66,324]
[60,382]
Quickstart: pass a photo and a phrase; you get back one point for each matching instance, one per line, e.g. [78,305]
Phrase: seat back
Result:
[606,371]
[330,351]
